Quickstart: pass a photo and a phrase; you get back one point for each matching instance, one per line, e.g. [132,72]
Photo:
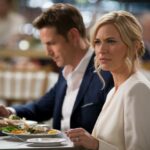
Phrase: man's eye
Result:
[97,42]
[50,43]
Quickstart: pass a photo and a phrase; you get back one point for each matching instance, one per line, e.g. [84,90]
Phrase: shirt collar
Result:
[81,67]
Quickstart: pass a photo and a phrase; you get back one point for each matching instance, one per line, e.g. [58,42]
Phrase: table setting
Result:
[28,134]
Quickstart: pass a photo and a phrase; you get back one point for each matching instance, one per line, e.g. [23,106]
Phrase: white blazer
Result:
[124,123]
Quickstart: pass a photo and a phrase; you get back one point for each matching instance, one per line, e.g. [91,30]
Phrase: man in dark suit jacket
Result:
[63,33]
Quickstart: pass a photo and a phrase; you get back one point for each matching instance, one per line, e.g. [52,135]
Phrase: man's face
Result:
[57,47]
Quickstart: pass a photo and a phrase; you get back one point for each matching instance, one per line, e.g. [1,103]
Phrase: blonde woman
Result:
[124,123]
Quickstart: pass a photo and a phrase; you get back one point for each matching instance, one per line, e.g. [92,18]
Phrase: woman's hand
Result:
[81,137]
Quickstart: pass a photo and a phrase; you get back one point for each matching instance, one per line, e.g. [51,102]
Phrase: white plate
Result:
[46,141]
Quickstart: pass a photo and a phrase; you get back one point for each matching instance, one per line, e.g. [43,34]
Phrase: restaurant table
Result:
[12,143]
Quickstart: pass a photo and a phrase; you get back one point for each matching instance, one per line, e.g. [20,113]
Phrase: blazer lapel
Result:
[59,103]
[85,82]
[62,93]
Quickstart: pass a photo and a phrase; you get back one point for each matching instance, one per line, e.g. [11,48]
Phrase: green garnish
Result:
[9,128]
[14,117]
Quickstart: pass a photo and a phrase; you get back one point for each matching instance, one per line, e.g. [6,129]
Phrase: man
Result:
[78,96]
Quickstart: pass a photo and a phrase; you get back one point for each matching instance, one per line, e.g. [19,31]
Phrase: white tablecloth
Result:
[11,143]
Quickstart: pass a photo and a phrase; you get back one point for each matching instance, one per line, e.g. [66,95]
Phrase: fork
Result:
[19,138]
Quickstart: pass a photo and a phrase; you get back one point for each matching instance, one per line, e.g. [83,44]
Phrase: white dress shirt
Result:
[73,80]
[124,123]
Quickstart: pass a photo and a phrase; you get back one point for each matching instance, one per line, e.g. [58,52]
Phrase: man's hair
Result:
[63,17]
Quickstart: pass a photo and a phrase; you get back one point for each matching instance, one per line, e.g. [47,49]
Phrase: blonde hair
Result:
[130,31]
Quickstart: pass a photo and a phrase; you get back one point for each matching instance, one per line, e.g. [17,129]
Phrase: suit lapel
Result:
[85,82]
[62,87]
[60,96]
[59,102]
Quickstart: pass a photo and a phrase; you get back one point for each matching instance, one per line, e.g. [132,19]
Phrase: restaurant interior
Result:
[26,73]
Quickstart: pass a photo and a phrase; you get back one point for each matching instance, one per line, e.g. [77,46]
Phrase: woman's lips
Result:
[104,59]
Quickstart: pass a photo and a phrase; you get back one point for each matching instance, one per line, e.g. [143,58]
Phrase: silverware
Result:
[18,138]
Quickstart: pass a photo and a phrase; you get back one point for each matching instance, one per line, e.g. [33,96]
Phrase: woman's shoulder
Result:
[137,83]
[137,78]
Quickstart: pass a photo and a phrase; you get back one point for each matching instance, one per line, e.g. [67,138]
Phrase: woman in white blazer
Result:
[124,123]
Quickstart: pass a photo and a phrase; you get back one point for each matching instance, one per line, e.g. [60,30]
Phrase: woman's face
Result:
[110,50]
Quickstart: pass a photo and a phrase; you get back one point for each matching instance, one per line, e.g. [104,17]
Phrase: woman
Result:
[124,123]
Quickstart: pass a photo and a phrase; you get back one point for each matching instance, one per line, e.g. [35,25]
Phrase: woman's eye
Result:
[111,41]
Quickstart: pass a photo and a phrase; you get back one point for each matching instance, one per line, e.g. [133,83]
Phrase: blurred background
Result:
[25,71]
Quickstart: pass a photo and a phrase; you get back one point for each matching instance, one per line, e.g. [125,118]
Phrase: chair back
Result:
[23,86]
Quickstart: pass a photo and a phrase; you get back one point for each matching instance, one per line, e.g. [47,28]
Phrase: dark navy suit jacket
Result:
[87,107]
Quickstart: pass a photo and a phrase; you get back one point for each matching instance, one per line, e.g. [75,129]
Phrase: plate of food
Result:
[46,141]
[26,128]
[31,132]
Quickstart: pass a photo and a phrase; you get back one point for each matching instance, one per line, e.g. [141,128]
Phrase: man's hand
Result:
[4,112]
